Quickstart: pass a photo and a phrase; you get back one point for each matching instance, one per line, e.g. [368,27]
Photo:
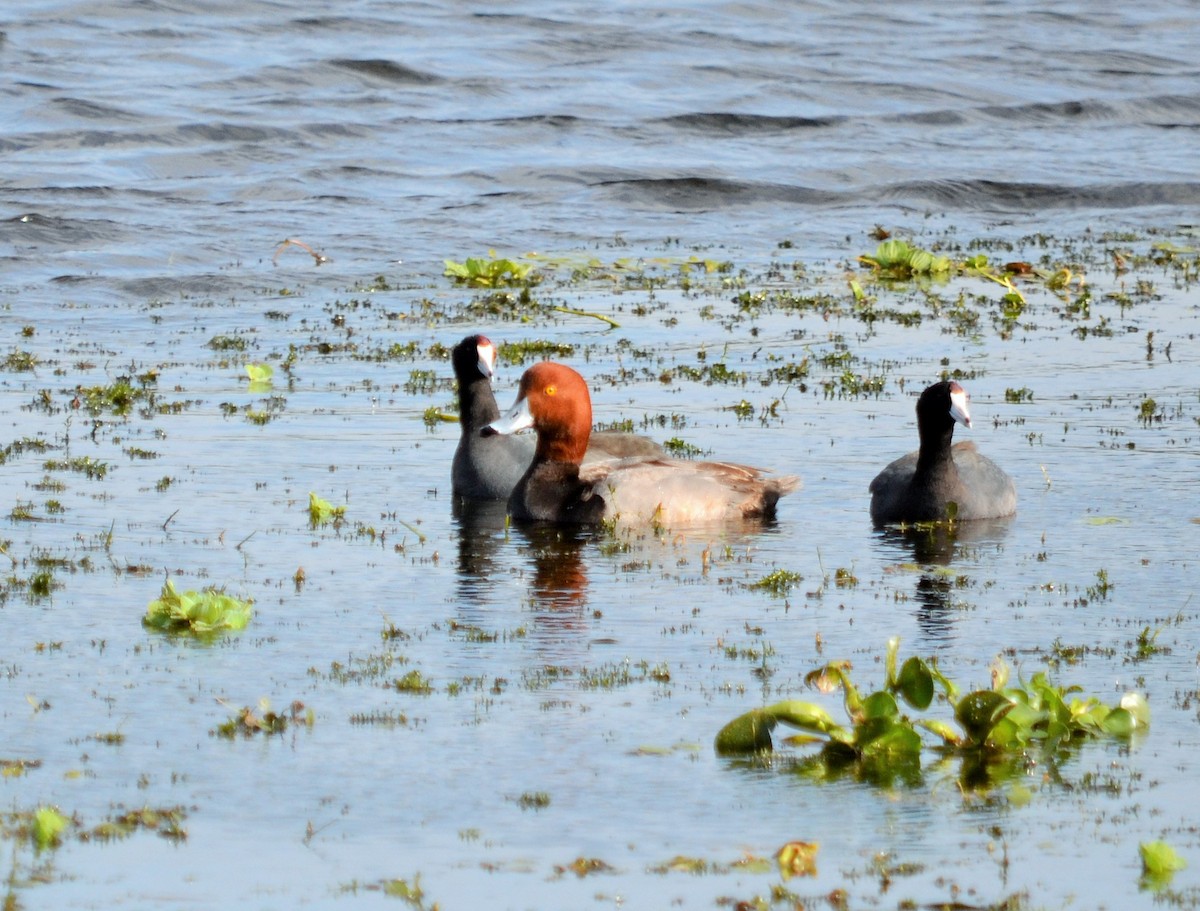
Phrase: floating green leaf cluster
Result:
[490,273]
[321,511]
[48,826]
[199,613]
[260,376]
[779,582]
[881,742]
[898,259]
[1160,862]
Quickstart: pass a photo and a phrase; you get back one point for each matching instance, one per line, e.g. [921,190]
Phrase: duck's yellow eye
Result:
[550,390]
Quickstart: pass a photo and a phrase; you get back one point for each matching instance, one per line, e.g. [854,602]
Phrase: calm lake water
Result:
[156,154]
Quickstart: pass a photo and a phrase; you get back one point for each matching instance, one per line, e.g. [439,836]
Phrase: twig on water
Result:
[600,316]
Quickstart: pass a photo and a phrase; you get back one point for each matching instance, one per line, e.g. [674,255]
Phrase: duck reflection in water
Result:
[558,582]
[934,547]
[560,578]
[482,529]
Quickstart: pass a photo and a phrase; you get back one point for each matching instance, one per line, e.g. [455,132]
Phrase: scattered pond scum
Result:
[881,743]
[203,614]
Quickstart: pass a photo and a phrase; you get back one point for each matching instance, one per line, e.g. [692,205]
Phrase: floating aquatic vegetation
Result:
[47,828]
[246,722]
[434,416]
[85,465]
[881,742]
[18,361]
[681,449]
[204,613]
[490,273]
[321,511]
[259,376]
[797,858]
[227,343]
[118,397]
[900,260]
[414,682]
[166,821]
[584,866]
[1160,862]
[779,582]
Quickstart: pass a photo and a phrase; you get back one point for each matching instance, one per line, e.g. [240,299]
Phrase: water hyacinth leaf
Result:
[1119,723]
[889,663]
[834,675]
[979,711]
[807,716]
[1001,673]
[1158,857]
[259,373]
[1054,734]
[887,736]
[489,273]
[48,826]
[995,732]
[942,729]
[321,511]
[797,858]
[1024,715]
[915,683]
[949,687]
[200,613]
[881,704]
[748,733]
[1137,706]
[1006,734]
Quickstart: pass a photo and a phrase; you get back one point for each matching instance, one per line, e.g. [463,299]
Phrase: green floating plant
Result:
[900,260]
[260,376]
[490,273]
[321,511]
[881,741]
[203,613]
[48,826]
[1160,862]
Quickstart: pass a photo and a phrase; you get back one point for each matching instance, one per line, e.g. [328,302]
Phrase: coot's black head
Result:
[473,357]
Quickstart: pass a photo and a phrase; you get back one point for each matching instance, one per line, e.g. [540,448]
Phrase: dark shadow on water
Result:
[933,548]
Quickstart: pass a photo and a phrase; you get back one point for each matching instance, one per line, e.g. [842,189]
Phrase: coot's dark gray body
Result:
[918,487]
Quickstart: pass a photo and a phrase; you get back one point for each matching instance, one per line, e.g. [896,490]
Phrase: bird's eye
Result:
[550,390]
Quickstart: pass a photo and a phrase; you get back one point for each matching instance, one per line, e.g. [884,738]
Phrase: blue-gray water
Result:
[156,154]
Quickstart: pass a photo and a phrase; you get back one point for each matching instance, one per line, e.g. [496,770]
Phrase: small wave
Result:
[52,231]
[735,124]
[992,195]
[90,110]
[1173,110]
[703,193]
[386,71]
